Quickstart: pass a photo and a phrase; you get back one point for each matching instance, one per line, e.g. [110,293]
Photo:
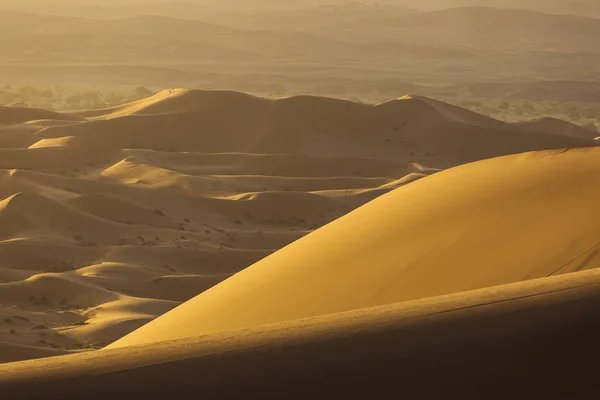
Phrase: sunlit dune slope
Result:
[488,223]
[512,341]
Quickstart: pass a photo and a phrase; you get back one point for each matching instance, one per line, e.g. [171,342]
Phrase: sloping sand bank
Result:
[536,339]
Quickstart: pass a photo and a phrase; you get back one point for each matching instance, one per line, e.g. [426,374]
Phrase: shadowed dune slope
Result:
[488,223]
[16,115]
[512,341]
[558,127]
[14,352]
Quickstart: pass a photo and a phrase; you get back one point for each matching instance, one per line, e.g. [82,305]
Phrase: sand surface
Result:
[111,218]
[494,343]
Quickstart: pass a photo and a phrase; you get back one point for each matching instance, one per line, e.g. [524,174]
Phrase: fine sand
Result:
[111,218]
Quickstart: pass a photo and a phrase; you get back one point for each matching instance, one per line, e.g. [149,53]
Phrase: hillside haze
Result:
[195,41]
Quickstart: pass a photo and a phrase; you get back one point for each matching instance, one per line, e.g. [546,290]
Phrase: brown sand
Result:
[111,218]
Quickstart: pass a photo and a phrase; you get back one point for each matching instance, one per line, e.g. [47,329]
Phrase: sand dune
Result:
[15,115]
[499,221]
[14,352]
[494,343]
[407,129]
[24,215]
[559,127]
[222,245]
[111,218]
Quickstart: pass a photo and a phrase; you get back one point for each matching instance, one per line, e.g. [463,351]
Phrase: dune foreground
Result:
[535,339]
[111,218]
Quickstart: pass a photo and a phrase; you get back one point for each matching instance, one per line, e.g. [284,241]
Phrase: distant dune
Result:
[410,129]
[558,127]
[14,115]
[111,218]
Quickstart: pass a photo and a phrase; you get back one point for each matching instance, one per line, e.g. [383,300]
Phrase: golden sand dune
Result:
[511,341]
[498,221]
[111,218]
[28,214]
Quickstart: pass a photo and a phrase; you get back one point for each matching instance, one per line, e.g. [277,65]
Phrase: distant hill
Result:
[165,40]
[237,12]
[353,41]
[493,30]
[588,8]
[324,28]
